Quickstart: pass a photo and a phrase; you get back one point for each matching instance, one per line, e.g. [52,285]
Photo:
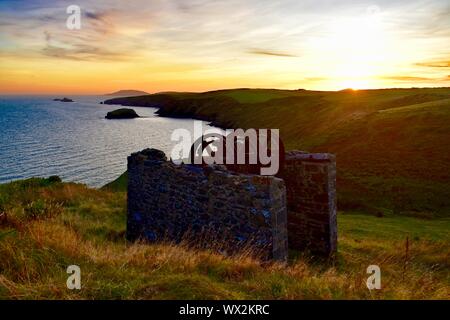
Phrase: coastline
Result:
[354,125]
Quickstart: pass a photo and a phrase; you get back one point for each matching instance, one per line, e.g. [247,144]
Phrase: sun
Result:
[356,84]
[358,46]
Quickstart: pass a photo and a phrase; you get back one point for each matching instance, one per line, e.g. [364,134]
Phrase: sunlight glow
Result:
[162,46]
[359,49]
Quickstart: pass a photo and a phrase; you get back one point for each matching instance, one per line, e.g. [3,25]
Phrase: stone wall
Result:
[311,198]
[234,210]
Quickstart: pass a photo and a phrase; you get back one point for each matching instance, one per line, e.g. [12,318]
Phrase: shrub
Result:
[54,179]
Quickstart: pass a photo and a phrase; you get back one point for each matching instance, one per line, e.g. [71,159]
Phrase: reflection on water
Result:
[41,137]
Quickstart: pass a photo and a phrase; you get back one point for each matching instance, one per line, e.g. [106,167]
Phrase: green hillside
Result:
[391,145]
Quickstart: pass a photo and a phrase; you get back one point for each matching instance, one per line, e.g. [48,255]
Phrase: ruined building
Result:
[295,209]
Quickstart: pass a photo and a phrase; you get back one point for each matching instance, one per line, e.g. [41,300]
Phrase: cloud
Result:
[48,36]
[94,15]
[434,64]
[263,42]
[96,41]
[82,52]
[409,78]
[271,53]
[312,79]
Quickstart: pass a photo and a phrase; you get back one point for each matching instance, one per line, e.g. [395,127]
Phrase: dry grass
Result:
[87,230]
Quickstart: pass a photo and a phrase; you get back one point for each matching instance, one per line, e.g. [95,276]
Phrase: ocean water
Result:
[40,137]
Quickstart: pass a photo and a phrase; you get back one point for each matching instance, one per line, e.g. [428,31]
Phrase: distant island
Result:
[63,100]
[127,93]
[123,113]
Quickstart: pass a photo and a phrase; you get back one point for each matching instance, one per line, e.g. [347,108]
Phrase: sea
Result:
[40,137]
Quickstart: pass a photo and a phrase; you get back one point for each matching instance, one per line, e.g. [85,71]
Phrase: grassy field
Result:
[46,225]
[391,145]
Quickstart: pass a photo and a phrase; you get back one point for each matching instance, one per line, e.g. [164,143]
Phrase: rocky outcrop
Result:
[63,100]
[204,108]
[123,113]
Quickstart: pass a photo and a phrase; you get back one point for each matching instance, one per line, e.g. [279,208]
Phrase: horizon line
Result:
[223,89]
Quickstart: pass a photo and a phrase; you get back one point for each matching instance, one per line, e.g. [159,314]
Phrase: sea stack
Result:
[123,113]
[63,100]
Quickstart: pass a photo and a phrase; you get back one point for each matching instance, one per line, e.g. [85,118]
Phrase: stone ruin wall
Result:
[231,211]
[310,180]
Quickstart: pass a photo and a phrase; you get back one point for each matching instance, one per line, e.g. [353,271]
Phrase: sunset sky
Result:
[199,45]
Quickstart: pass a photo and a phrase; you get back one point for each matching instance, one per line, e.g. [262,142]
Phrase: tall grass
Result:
[76,225]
